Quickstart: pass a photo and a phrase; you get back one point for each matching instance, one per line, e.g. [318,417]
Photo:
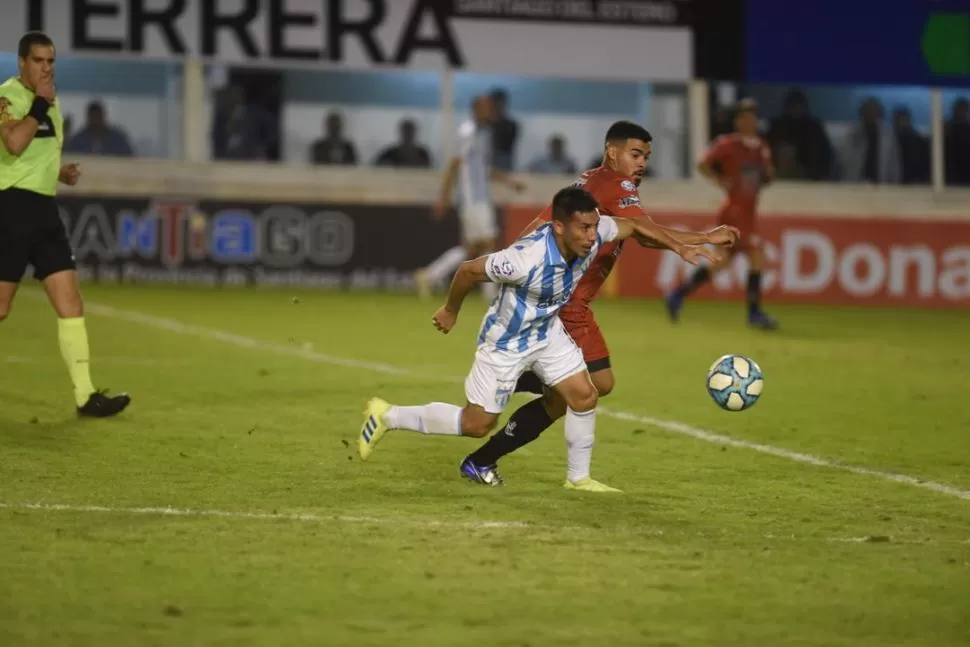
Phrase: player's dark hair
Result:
[746,106]
[570,201]
[621,131]
[30,39]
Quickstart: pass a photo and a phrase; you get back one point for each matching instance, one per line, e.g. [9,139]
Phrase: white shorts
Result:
[493,376]
[477,222]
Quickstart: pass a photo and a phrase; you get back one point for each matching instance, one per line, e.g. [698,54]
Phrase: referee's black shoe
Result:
[102,405]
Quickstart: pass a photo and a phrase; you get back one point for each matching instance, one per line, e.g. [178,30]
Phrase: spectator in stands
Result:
[505,132]
[407,152]
[555,160]
[798,141]
[98,137]
[914,149]
[956,144]
[871,150]
[240,130]
[332,148]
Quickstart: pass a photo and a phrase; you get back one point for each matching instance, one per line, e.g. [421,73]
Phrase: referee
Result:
[31,231]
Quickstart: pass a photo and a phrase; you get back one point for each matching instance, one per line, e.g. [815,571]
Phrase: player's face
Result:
[38,66]
[579,234]
[747,123]
[484,110]
[632,158]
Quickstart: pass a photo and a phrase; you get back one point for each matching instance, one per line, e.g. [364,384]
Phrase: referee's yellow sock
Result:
[73,338]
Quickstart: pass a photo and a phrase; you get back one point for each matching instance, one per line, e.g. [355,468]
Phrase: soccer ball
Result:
[735,382]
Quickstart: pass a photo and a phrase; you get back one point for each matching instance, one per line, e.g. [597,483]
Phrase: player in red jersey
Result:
[614,185]
[741,164]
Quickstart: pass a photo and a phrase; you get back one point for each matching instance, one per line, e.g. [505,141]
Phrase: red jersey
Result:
[616,195]
[743,162]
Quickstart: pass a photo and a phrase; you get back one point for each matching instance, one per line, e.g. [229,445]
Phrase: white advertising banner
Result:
[605,39]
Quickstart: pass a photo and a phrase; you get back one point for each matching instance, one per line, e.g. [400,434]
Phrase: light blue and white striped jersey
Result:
[535,283]
[474,176]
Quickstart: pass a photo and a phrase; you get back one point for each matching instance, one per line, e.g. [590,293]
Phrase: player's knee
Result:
[68,304]
[70,308]
[477,424]
[584,399]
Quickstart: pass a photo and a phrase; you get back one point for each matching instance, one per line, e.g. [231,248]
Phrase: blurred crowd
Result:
[876,148]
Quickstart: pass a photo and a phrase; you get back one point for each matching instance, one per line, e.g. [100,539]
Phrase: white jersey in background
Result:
[475,208]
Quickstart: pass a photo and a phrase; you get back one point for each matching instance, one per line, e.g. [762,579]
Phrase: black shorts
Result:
[31,233]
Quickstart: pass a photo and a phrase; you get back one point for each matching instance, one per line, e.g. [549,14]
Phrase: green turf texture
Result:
[708,546]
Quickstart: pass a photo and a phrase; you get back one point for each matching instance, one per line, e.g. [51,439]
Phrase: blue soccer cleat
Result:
[483,475]
[674,301]
[758,319]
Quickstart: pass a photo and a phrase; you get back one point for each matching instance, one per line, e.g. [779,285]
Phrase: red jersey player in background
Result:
[741,164]
[614,185]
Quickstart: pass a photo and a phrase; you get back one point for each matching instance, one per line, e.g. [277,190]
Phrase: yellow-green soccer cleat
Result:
[374,427]
[589,485]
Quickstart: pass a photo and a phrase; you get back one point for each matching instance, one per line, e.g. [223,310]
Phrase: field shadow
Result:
[41,426]
[53,434]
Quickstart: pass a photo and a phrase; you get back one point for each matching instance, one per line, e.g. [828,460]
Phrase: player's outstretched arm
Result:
[504,266]
[721,235]
[649,234]
[627,228]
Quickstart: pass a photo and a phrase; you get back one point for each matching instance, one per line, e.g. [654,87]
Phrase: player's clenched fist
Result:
[45,89]
[444,319]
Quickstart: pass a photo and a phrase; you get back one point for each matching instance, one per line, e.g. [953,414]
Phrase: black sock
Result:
[525,425]
[754,292]
[700,276]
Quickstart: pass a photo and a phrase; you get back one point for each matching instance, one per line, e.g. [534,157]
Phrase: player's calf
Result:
[603,379]
[581,398]
[7,292]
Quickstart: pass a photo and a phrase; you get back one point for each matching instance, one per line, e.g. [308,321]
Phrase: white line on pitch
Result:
[671,426]
[300,517]
[268,516]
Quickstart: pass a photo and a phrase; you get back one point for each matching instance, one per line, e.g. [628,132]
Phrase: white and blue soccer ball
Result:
[735,382]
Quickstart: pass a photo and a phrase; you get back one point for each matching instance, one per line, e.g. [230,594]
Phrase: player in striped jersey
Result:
[614,184]
[521,332]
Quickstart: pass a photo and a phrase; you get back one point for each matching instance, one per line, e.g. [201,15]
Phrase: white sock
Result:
[446,264]
[489,291]
[437,418]
[580,434]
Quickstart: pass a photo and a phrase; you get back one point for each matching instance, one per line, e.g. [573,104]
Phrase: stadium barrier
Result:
[356,228]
